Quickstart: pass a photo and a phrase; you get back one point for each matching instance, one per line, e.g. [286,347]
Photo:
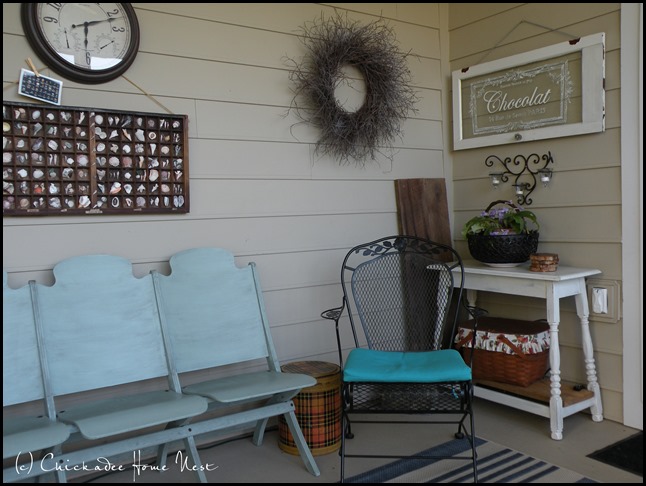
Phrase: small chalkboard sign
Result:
[40,87]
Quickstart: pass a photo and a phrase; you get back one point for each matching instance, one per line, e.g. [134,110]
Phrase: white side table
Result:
[551,286]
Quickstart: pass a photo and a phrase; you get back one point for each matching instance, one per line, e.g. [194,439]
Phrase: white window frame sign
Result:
[555,91]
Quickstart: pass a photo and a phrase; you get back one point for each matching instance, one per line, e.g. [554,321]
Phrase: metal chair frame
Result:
[409,282]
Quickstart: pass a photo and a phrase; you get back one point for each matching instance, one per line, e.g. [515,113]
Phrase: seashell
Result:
[7,157]
[126,133]
[69,203]
[68,173]
[101,202]
[178,175]
[178,163]
[165,188]
[38,144]
[116,188]
[82,160]
[38,174]
[7,187]
[22,128]
[52,144]
[153,175]
[24,203]
[82,174]
[153,147]
[114,202]
[114,148]
[70,160]
[53,188]
[37,127]
[98,119]
[7,203]
[24,187]
[54,202]
[52,130]
[141,202]
[165,150]
[139,121]
[23,173]
[20,143]
[141,188]
[35,115]
[100,147]
[84,202]
[139,135]
[116,120]
[165,175]
[166,201]
[176,124]
[127,202]
[178,201]
[154,188]
[154,201]
[100,133]
[113,161]
[66,116]
[6,127]
[152,163]
[110,120]
[100,174]
[52,174]
[127,175]
[67,145]
[127,149]
[67,131]
[39,189]
[126,162]
[139,148]
[37,158]
[50,116]
[113,134]
[127,188]
[126,121]
[152,135]
[69,189]
[81,117]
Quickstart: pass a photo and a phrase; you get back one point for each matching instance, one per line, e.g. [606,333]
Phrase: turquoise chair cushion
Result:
[367,365]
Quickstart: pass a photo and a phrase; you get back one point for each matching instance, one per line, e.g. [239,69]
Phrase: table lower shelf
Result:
[535,398]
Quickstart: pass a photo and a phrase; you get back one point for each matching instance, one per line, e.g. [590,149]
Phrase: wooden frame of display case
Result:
[73,160]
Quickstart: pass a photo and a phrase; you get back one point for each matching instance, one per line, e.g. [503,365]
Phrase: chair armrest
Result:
[334,314]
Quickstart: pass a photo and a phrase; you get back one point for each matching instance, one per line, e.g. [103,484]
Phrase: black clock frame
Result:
[52,59]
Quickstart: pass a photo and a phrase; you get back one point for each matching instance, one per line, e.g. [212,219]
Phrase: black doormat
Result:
[627,454]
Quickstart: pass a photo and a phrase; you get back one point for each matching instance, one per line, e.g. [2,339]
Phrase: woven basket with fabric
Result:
[506,350]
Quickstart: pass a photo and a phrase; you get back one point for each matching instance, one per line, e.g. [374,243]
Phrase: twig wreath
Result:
[332,44]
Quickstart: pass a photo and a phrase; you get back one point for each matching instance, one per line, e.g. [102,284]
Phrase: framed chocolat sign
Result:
[556,91]
[70,160]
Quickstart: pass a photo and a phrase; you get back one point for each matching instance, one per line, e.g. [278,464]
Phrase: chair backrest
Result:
[100,325]
[22,379]
[213,312]
[400,289]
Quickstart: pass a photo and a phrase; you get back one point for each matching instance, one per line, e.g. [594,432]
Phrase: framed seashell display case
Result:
[71,160]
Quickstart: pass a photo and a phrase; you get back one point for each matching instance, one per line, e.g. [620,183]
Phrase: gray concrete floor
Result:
[239,461]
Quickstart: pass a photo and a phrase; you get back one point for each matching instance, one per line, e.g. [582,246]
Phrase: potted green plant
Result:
[503,234]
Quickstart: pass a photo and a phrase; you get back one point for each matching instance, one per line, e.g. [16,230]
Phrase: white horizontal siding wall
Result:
[256,187]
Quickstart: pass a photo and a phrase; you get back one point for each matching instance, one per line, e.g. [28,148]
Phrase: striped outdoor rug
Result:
[496,464]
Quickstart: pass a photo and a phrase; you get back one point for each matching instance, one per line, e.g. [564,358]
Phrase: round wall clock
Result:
[85,42]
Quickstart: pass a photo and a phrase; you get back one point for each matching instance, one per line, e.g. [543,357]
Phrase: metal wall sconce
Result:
[524,170]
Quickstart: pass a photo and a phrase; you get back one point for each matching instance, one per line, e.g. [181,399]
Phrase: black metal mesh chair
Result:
[403,296]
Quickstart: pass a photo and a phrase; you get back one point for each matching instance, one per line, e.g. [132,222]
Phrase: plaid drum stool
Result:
[318,409]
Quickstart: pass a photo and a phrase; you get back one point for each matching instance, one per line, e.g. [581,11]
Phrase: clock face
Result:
[87,42]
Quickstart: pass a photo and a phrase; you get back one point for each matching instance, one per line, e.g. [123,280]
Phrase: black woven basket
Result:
[503,248]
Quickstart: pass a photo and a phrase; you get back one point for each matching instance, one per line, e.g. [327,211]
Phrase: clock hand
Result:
[66,39]
[94,22]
